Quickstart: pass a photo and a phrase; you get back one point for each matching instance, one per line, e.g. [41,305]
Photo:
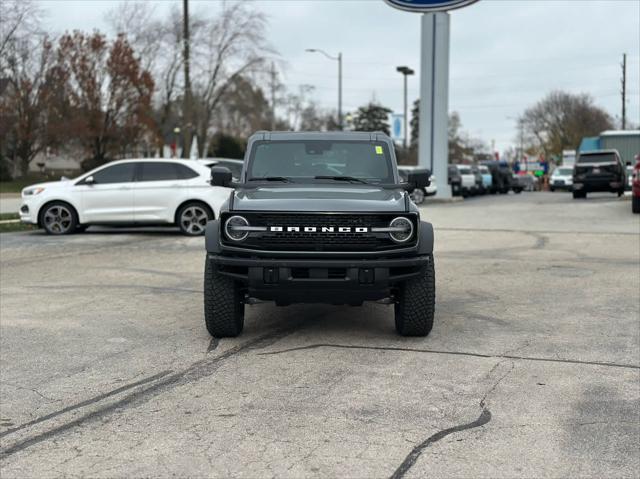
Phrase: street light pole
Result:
[406,71]
[340,90]
[339,60]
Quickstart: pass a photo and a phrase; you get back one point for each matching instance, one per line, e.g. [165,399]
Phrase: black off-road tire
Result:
[635,204]
[223,304]
[415,306]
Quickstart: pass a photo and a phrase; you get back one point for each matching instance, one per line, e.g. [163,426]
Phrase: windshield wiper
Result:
[341,178]
[271,178]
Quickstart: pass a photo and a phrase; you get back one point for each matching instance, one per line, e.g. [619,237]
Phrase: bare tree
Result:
[24,106]
[108,91]
[297,103]
[229,45]
[136,20]
[158,45]
[19,20]
[560,121]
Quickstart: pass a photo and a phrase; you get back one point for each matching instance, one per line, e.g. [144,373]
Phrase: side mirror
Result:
[89,180]
[418,179]
[221,176]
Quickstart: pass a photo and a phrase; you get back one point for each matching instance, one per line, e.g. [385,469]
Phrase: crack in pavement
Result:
[416,452]
[453,353]
[167,380]
[87,402]
[484,418]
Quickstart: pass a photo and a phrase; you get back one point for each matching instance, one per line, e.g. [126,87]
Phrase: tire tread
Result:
[415,310]
[223,306]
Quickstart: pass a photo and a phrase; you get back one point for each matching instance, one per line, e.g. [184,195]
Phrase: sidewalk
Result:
[9,202]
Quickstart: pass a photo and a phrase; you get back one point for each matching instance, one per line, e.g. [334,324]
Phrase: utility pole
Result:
[273,96]
[406,71]
[340,126]
[624,91]
[187,101]
[339,60]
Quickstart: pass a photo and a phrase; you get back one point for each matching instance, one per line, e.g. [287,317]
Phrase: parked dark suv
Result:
[600,170]
[502,178]
[319,217]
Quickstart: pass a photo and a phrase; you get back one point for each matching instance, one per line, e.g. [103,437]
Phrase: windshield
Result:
[563,171]
[483,169]
[597,158]
[308,159]
[464,170]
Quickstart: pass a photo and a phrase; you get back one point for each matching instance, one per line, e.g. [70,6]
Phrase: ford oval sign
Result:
[425,6]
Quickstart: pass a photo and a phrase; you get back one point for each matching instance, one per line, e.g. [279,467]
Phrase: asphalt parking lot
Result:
[532,369]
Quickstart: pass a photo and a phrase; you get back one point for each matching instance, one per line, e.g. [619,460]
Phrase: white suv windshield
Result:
[309,159]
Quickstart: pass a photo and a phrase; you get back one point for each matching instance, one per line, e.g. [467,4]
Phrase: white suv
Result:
[127,192]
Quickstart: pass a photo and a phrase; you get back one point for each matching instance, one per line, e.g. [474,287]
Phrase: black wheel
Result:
[517,191]
[415,306]
[192,218]
[620,193]
[223,304]
[635,204]
[552,189]
[59,218]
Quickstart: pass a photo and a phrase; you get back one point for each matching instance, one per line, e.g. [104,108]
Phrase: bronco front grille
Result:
[318,240]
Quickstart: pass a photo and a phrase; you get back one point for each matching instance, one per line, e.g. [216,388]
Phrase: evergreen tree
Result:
[372,117]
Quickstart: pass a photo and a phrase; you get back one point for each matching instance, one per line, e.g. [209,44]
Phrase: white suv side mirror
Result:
[89,180]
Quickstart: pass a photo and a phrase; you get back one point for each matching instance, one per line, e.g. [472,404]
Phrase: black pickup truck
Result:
[319,218]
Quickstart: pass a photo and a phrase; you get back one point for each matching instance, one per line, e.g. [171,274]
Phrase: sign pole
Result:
[433,149]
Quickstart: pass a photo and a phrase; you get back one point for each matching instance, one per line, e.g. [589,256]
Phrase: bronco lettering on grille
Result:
[316,229]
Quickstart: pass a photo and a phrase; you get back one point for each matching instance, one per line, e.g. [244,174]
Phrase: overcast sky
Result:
[505,54]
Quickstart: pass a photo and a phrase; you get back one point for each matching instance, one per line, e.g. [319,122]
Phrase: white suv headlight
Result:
[32,191]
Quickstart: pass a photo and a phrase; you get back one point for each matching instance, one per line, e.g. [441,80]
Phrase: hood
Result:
[319,198]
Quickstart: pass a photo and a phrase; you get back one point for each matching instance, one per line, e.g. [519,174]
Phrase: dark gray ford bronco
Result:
[319,218]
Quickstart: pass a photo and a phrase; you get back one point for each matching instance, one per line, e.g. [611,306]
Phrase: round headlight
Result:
[235,234]
[403,229]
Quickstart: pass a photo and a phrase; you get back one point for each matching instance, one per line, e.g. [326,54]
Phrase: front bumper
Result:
[562,184]
[598,185]
[335,281]
[28,212]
